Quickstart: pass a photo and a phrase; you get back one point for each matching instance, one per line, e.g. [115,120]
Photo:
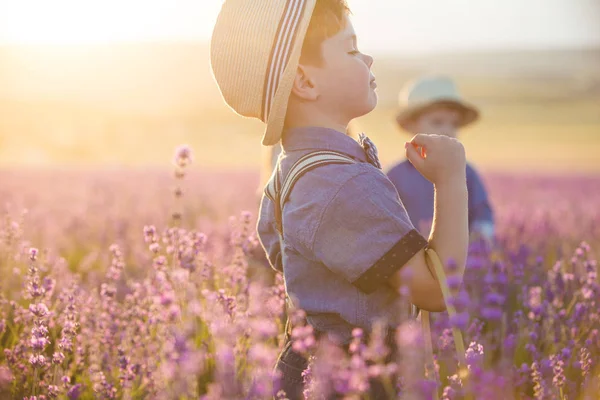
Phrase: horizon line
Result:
[387,52]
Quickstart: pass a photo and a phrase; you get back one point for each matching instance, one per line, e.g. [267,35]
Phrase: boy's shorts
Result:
[291,365]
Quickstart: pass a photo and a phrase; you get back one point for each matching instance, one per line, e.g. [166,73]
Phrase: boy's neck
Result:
[336,127]
[315,120]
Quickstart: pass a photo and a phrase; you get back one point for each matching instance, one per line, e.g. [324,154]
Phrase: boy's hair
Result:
[326,21]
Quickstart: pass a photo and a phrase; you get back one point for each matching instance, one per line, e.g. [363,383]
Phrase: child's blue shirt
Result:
[345,234]
[417,195]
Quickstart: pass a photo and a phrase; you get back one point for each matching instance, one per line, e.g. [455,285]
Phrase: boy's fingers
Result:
[422,139]
[414,157]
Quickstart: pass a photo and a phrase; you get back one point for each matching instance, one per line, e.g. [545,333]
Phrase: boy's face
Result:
[439,120]
[343,81]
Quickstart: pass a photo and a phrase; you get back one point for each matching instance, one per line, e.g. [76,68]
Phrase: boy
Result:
[433,105]
[343,240]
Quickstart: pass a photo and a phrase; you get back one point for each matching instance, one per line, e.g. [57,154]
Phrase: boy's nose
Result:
[368,60]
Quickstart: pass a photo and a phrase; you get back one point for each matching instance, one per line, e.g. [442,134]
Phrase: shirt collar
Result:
[318,138]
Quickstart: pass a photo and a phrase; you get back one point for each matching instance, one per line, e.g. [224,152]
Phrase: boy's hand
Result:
[438,158]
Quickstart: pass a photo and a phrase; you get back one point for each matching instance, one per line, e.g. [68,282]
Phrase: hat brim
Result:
[276,121]
[469,112]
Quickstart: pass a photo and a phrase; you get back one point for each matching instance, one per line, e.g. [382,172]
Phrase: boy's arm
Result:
[444,165]
[268,235]
[449,239]
[363,234]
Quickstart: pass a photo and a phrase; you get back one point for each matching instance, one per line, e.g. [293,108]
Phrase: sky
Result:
[399,26]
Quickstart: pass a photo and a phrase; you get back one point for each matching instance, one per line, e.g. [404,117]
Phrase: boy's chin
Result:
[369,106]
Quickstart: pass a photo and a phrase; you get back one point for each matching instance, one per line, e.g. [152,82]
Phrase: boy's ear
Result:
[304,85]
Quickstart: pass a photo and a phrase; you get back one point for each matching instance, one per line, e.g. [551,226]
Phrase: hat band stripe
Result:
[281,51]
[285,51]
[284,36]
[266,85]
[284,23]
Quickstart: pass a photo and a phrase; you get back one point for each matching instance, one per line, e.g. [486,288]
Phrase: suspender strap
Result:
[279,193]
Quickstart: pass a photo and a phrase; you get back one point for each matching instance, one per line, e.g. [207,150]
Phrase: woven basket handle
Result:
[433,260]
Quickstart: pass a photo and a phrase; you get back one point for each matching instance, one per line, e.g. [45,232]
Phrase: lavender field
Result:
[105,295]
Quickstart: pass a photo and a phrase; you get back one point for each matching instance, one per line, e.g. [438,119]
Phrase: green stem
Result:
[55,374]
[570,306]
[35,376]
[389,387]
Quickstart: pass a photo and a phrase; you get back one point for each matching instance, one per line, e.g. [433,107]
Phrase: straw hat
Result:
[425,92]
[255,51]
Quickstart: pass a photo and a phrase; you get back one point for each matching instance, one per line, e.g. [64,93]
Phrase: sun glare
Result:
[90,21]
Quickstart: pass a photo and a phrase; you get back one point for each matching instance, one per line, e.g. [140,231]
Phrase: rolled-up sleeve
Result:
[364,233]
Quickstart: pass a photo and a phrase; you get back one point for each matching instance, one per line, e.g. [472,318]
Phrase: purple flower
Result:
[149,233]
[585,361]
[445,339]
[75,391]
[39,310]
[535,297]
[454,282]
[502,278]
[357,333]
[475,328]
[6,377]
[33,253]
[303,339]
[461,300]
[58,358]
[37,361]
[427,388]
[48,285]
[460,320]
[53,391]
[474,354]
[492,313]
[530,347]
[183,156]
[409,335]
[107,290]
[174,312]
[38,343]
[114,250]
[490,278]
[559,372]
[523,374]
[510,342]
[475,263]
[166,298]
[154,247]
[494,299]
[451,266]
[538,384]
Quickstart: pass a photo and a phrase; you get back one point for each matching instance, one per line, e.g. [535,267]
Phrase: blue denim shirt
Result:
[345,232]
[417,195]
